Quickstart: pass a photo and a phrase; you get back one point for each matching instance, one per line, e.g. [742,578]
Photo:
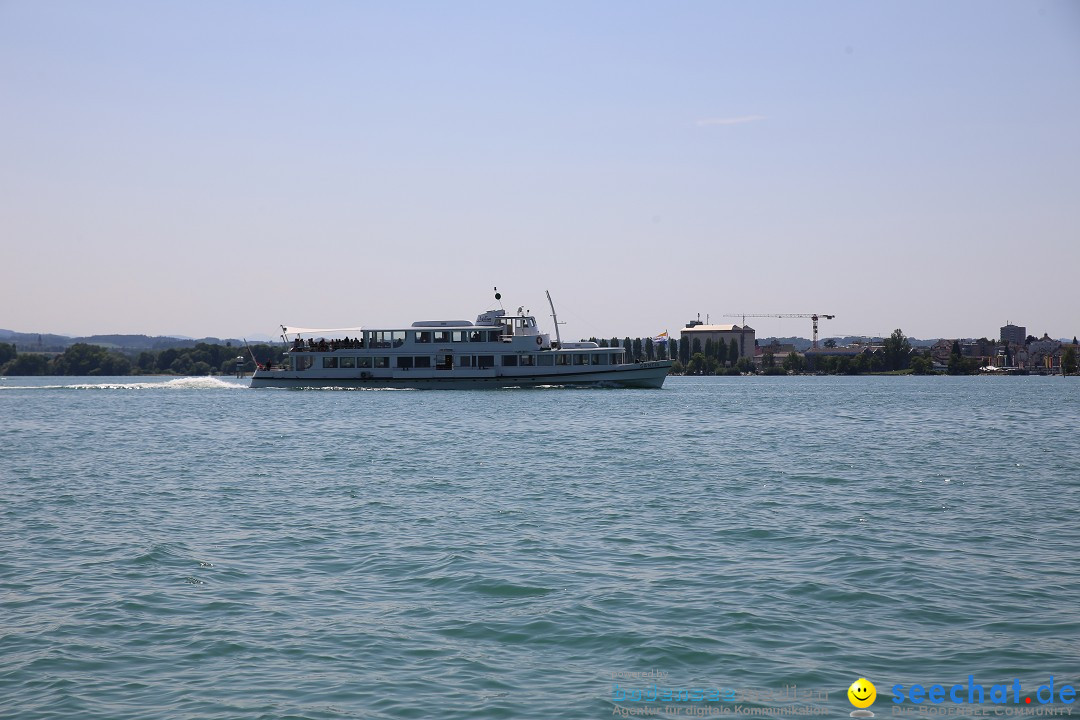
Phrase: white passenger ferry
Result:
[498,350]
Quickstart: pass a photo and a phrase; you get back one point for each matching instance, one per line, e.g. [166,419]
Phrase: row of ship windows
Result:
[396,338]
[446,362]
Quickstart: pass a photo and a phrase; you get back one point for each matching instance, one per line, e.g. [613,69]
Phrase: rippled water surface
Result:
[194,549]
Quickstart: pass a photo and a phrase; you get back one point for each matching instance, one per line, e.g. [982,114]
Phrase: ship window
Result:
[493,335]
[363,362]
[422,362]
[459,336]
[562,359]
[442,336]
[423,336]
[509,360]
[599,359]
[302,362]
[381,338]
[477,336]
[464,360]
[398,337]
[348,362]
[581,359]
[444,362]
[485,361]
[329,362]
[528,360]
[404,361]
[545,360]
[382,362]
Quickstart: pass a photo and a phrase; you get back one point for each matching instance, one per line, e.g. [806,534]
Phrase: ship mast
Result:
[554,317]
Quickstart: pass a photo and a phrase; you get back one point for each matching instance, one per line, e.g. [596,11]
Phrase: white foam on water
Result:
[184,383]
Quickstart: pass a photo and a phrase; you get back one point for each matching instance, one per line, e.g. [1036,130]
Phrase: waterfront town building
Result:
[1015,334]
[743,335]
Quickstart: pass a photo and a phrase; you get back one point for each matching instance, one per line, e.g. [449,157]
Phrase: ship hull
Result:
[632,375]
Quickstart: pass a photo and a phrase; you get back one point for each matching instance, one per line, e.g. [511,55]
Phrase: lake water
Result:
[190,548]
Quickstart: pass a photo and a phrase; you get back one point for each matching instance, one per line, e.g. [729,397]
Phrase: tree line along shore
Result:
[894,356]
[692,357]
[89,359]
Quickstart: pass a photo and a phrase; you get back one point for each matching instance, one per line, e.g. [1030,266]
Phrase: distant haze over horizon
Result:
[190,169]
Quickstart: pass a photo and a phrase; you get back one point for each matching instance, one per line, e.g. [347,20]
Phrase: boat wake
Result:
[184,383]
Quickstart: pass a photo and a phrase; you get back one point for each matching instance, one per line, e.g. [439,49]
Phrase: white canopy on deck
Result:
[318,331]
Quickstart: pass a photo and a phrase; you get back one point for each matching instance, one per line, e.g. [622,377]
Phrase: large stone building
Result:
[743,335]
[1015,334]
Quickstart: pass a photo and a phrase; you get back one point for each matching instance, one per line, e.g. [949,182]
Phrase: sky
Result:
[223,168]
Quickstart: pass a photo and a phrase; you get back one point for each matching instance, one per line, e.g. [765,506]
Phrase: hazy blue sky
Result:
[219,168]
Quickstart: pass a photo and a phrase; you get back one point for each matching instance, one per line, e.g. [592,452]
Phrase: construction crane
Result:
[813,316]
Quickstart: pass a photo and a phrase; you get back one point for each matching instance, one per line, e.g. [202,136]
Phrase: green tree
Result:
[27,364]
[733,353]
[710,348]
[921,365]
[695,346]
[859,364]
[794,362]
[830,342]
[958,364]
[650,350]
[181,365]
[745,365]
[7,352]
[146,362]
[696,365]
[628,348]
[721,352]
[85,359]
[677,367]
[768,360]
[79,359]
[638,349]
[684,351]
[897,350]
[1068,361]
[166,358]
[661,350]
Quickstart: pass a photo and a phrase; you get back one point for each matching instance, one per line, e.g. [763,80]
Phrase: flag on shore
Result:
[661,338]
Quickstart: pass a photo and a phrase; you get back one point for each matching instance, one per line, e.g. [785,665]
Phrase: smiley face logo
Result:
[862,693]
